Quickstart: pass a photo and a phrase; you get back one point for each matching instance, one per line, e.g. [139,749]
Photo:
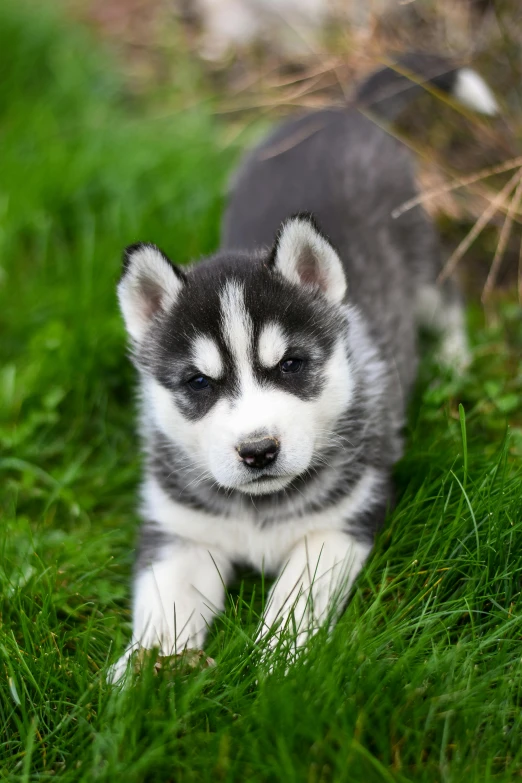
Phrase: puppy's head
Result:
[242,358]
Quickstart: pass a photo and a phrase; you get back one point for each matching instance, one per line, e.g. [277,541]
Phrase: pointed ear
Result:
[149,285]
[304,256]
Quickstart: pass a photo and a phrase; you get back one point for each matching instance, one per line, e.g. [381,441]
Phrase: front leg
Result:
[314,585]
[176,595]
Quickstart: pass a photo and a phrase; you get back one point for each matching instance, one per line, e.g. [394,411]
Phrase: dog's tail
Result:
[388,91]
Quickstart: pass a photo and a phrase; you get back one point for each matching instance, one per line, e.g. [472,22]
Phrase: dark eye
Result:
[198,383]
[291,365]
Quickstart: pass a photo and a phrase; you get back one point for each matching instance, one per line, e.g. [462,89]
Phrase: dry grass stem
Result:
[461,182]
[505,233]
[520,273]
[288,98]
[480,224]
[318,70]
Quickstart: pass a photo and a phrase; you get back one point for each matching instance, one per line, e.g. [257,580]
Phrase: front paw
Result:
[278,650]
[136,658]
[281,640]
[119,672]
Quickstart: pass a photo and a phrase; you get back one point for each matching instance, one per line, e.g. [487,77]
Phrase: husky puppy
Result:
[274,375]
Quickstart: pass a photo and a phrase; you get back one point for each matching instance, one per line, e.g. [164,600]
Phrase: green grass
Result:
[422,677]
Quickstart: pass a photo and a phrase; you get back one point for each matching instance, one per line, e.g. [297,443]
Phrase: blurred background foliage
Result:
[263,59]
[121,121]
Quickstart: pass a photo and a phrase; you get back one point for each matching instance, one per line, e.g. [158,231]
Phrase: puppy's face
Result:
[243,360]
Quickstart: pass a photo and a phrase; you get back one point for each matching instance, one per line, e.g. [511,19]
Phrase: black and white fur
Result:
[274,374]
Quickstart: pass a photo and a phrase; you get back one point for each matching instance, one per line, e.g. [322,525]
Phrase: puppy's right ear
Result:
[149,285]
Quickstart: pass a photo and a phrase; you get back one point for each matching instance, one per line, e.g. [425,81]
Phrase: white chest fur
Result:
[240,539]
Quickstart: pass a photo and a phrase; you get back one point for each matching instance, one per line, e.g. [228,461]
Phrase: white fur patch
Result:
[148,285]
[304,257]
[272,345]
[448,319]
[206,357]
[471,90]
[454,349]
[239,538]
[237,325]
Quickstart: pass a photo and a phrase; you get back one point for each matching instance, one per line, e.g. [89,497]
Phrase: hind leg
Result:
[439,308]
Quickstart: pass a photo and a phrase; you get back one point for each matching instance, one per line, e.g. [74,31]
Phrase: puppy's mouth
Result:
[265,483]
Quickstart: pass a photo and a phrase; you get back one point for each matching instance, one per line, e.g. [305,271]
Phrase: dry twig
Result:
[520,273]
[483,220]
[461,182]
[505,233]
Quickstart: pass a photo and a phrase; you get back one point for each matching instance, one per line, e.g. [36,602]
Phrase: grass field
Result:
[422,678]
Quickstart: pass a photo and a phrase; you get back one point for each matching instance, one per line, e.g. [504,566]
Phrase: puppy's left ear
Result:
[305,257]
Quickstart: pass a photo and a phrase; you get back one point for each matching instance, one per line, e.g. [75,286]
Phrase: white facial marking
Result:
[272,345]
[237,326]
[301,426]
[206,357]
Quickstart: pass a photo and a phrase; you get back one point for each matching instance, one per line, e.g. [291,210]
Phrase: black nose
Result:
[258,453]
